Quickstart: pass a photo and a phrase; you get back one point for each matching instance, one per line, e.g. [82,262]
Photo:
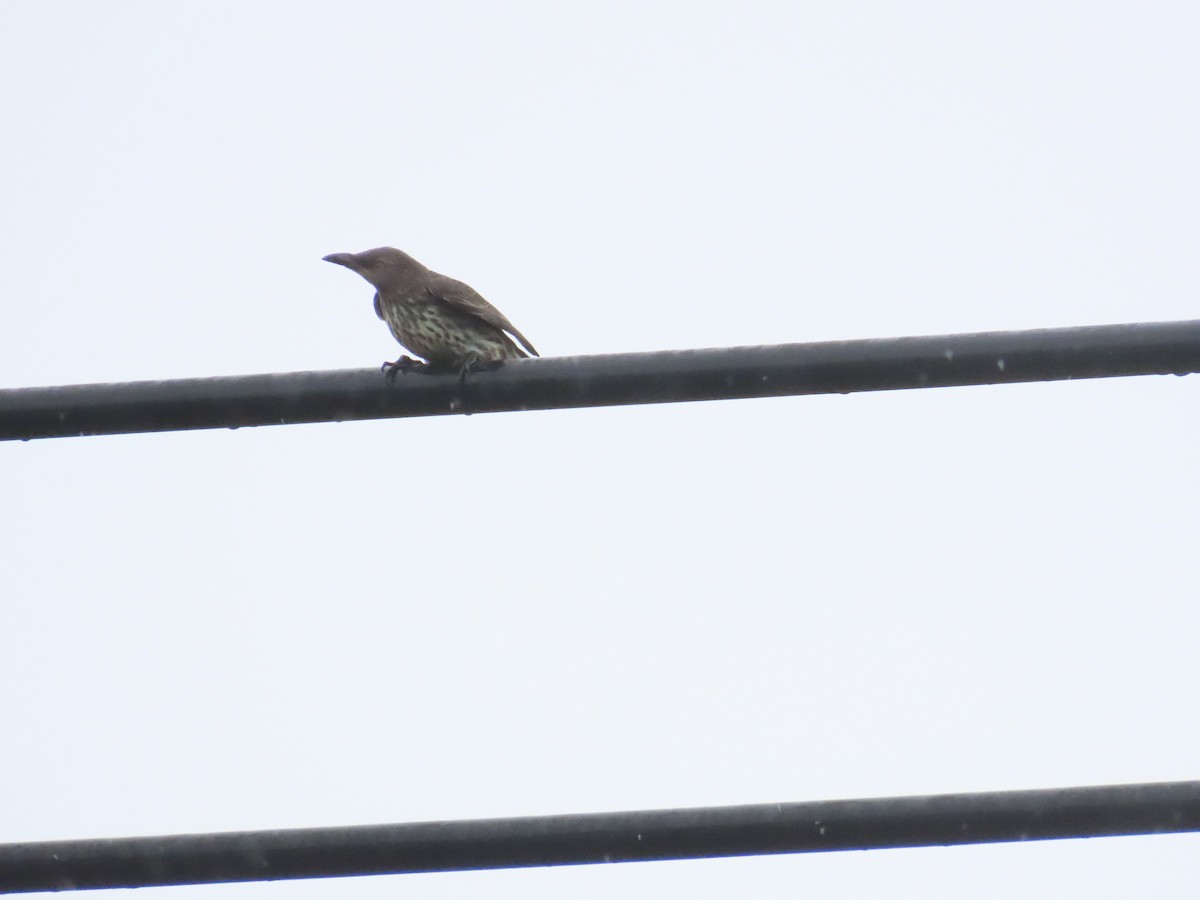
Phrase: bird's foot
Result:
[473,363]
[403,365]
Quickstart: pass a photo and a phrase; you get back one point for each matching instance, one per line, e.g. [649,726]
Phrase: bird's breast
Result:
[441,334]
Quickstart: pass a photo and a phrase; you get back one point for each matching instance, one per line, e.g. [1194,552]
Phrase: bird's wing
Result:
[466,298]
[378,308]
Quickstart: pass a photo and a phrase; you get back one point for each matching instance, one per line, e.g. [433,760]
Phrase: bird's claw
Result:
[475,364]
[403,364]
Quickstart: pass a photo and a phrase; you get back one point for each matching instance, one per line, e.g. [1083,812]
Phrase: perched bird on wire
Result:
[443,321]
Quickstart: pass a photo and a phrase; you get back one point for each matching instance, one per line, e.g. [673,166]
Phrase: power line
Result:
[1160,348]
[937,820]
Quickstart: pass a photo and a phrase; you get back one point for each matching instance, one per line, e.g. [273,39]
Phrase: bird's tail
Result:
[518,352]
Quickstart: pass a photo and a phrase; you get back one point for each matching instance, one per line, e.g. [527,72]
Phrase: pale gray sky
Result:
[797,599]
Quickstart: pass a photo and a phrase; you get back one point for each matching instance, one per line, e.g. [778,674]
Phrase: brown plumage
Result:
[443,321]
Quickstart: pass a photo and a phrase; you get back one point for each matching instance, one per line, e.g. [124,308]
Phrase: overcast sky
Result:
[808,598]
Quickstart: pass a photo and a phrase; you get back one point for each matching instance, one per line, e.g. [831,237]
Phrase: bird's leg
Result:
[469,363]
[403,364]
[473,363]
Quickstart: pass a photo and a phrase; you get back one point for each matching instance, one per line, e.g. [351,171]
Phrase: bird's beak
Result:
[341,259]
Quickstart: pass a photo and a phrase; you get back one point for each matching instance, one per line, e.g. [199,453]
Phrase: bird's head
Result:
[382,266]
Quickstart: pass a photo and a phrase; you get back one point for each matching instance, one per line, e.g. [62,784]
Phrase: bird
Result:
[443,321]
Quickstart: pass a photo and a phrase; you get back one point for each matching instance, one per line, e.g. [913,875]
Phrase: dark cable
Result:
[937,820]
[1160,348]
